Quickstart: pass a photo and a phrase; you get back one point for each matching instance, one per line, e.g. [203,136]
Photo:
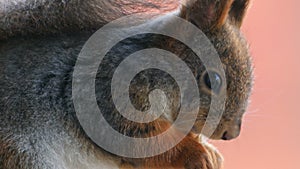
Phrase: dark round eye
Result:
[212,82]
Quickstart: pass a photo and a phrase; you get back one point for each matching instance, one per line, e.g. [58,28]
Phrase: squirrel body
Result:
[38,51]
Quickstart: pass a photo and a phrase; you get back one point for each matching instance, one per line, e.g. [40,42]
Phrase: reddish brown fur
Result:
[189,153]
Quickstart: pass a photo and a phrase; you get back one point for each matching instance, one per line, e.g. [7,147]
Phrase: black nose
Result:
[227,136]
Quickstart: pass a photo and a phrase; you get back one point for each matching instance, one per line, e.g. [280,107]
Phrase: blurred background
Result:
[271,128]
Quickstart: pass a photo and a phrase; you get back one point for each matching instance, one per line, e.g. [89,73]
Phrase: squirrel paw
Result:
[214,156]
[211,159]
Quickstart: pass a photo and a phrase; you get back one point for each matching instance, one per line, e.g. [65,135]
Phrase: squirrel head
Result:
[221,21]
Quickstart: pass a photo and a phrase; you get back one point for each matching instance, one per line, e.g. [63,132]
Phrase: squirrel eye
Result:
[215,82]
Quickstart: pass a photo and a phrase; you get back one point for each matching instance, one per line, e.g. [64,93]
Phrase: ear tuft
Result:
[238,11]
[223,9]
[207,14]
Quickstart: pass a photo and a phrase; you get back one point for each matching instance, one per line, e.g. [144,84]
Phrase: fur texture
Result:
[40,42]
[44,17]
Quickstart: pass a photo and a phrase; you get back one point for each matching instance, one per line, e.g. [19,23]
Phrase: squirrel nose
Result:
[229,136]
[231,131]
[226,136]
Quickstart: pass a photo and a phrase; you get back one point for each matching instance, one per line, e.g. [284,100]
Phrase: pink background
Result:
[271,129]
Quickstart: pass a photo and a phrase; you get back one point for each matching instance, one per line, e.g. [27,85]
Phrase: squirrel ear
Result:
[207,14]
[238,11]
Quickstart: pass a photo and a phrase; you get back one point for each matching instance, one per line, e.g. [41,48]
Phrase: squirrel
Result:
[39,44]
